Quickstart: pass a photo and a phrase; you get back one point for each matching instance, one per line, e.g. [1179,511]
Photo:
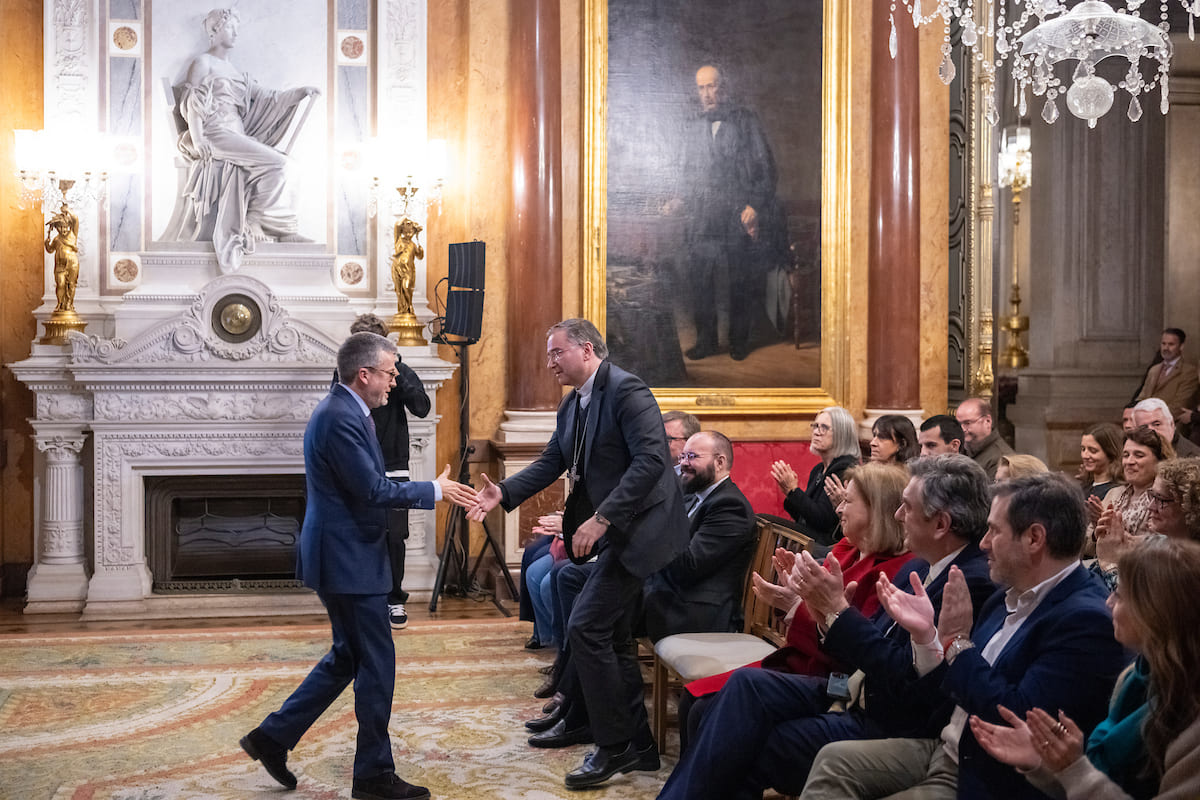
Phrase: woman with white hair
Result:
[835,441]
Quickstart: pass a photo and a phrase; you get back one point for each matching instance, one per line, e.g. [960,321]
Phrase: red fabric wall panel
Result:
[752,471]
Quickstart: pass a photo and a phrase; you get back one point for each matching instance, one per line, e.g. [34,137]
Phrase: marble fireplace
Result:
[181,397]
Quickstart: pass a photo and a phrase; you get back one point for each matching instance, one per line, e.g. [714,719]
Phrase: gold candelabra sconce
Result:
[58,174]
[416,196]
[1015,169]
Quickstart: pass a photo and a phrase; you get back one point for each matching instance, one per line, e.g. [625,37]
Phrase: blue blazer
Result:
[1063,657]
[895,699]
[343,543]
[627,471]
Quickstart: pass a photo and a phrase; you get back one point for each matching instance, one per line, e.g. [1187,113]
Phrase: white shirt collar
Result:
[940,566]
[703,494]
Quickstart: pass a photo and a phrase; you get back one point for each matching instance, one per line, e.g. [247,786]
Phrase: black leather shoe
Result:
[547,688]
[387,786]
[534,643]
[559,736]
[600,765]
[271,754]
[545,723]
[739,353]
[546,670]
[700,351]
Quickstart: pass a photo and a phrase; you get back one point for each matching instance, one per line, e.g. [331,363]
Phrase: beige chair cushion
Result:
[699,655]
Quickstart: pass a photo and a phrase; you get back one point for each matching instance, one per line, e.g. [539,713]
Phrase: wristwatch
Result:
[601,519]
[957,645]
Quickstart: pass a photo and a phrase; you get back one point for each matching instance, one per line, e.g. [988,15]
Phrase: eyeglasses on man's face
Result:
[554,355]
[687,457]
[391,373]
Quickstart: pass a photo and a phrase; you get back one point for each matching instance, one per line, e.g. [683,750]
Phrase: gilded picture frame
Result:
[835,214]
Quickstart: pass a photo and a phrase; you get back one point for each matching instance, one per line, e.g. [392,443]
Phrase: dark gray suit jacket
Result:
[627,471]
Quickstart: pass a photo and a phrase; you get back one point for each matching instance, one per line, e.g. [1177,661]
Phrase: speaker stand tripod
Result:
[457,536]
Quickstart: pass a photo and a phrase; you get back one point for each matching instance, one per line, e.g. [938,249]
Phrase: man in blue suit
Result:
[343,556]
[1045,642]
[764,728]
[625,506]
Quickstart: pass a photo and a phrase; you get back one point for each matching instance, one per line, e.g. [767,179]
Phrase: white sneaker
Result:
[398,617]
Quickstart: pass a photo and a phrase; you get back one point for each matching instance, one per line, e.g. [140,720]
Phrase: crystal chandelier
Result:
[1035,38]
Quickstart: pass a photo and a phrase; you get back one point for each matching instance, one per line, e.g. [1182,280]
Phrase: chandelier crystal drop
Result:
[1034,36]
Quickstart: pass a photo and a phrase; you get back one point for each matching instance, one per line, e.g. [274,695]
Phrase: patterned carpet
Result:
[152,716]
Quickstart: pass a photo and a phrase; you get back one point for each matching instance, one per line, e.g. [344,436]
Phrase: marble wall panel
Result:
[124,96]
[124,9]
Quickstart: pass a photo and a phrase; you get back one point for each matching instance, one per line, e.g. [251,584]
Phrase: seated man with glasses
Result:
[982,443]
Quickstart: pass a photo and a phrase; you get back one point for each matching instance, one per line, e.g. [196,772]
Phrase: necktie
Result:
[690,503]
[371,424]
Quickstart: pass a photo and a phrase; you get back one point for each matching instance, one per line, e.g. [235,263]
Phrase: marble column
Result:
[534,251]
[58,581]
[894,263]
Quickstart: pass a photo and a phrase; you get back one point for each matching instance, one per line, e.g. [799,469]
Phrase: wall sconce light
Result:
[62,173]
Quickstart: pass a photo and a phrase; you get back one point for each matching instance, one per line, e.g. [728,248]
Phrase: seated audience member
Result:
[894,440]
[538,579]
[1126,515]
[1100,464]
[680,426]
[1175,499]
[1127,423]
[1156,416]
[1019,465]
[983,443]
[701,590]
[1174,379]
[1149,746]
[835,441]
[1099,472]
[764,728]
[873,545]
[1046,642]
[535,549]
[940,435]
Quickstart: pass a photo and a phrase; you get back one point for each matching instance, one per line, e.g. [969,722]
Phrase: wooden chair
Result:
[686,657]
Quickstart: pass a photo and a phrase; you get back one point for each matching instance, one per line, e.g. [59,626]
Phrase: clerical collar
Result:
[585,392]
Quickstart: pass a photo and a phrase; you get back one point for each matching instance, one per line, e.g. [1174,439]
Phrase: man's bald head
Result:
[708,85]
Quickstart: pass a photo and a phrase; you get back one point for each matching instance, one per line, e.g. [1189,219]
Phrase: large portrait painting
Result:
[710,182]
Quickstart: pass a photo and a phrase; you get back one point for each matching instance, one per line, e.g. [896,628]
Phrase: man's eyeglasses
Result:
[821,427]
[554,355]
[389,372]
[677,438]
[684,458]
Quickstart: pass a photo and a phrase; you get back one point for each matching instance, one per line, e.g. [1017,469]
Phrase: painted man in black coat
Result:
[736,228]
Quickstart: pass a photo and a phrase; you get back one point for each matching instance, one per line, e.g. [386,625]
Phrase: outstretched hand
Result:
[486,499]
[1058,741]
[458,493]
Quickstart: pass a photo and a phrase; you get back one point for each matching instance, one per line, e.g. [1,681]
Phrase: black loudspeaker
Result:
[464,300]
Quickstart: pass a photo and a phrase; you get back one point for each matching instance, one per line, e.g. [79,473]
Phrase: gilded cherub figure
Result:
[404,263]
